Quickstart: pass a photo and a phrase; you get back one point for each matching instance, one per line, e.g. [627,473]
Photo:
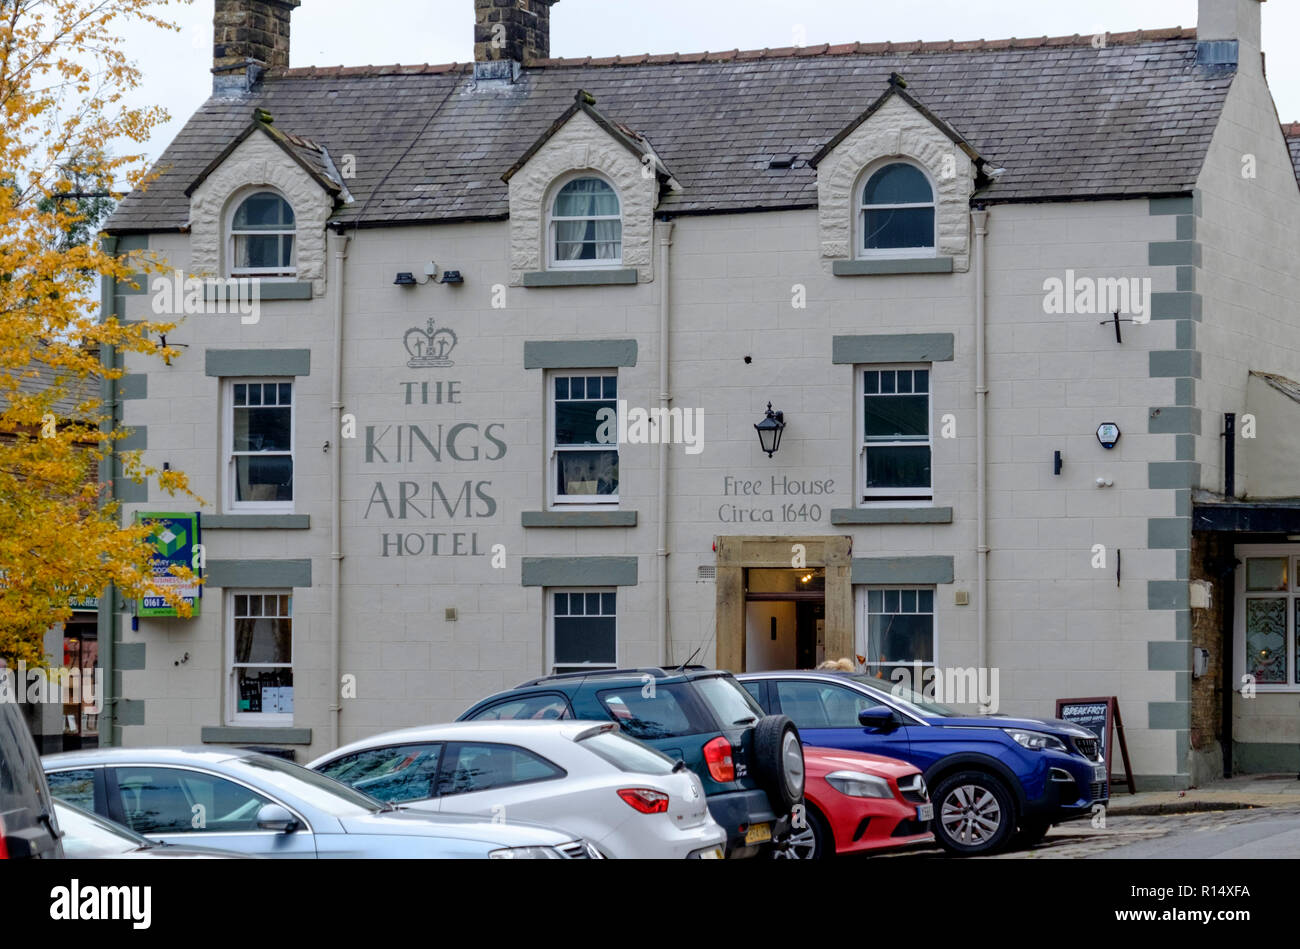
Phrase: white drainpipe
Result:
[336,481]
[664,232]
[980,218]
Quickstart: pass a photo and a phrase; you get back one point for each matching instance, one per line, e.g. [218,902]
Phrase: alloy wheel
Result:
[970,814]
[801,845]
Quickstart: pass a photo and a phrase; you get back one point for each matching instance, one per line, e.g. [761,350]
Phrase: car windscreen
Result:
[909,700]
[650,710]
[627,754]
[730,702]
[312,789]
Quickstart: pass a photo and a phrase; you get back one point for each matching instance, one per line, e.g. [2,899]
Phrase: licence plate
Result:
[758,833]
[925,812]
[713,854]
[1099,772]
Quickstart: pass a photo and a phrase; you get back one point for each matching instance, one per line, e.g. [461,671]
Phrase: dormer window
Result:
[586,225]
[896,213]
[262,233]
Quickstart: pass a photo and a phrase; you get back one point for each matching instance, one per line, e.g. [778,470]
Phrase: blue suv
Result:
[996,782]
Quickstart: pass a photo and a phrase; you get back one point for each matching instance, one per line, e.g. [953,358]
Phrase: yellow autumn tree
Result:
[64,82]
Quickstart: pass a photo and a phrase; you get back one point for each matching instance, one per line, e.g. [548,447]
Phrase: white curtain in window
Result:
[587,239]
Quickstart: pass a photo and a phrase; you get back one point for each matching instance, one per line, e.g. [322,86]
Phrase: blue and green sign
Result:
[175,543]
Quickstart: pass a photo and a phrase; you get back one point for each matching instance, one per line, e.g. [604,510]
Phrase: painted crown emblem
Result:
[429,348]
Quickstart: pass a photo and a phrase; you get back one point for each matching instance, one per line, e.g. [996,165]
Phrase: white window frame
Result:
[270,274]
[862,631]
[890,497]
[1291,594]
[551,663]
[228,442]
[552,196]
[576,502]
[860,216]
[233,715]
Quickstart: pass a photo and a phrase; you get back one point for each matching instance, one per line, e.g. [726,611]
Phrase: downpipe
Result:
[336,478]
[664,235]
[980,219]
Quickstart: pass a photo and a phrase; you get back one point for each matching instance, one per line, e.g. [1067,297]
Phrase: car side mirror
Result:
[277,818]
[877,718]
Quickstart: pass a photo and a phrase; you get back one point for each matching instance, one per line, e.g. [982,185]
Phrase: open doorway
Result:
[785,618]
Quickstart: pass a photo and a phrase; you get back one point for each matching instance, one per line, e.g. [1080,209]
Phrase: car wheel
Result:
[813,841]
[973,813]
[778,761]
[1030,834]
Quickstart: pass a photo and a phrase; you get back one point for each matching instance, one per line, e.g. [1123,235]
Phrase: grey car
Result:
[264,806]
[28,825]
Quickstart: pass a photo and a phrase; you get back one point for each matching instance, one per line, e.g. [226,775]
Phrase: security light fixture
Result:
[452,276]
[769,430]
[405,279]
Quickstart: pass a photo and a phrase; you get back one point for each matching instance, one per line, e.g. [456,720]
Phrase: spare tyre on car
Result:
[778,761]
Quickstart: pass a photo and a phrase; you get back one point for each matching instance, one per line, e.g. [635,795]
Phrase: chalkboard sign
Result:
[1101,717]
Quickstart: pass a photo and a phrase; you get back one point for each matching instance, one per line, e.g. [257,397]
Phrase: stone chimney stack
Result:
[509,34]
[248,37]
[1229,32]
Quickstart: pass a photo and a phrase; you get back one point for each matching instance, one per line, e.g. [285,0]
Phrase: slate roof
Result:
[1066,121]
[311,157]
[1292,132]
[75,390]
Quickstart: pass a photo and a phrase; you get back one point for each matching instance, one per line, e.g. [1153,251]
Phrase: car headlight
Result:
[857,784]
[526,853]
[1034,741]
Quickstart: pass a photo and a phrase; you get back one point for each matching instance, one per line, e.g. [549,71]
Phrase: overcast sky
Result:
[361,32]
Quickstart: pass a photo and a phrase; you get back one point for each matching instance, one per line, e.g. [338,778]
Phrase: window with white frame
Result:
[586,228]
[895,433]
[1268,616]
[584,629]
[584,438]
[258,437]
[260,656]
[896,630]
[896,213]
[262,237]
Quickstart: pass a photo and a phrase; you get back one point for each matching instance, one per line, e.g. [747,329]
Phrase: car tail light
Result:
[717,754]
[645,800]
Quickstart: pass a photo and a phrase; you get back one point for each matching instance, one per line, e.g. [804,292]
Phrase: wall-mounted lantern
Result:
[770,429]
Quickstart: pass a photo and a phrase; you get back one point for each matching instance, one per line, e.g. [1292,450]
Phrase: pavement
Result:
[1237,793]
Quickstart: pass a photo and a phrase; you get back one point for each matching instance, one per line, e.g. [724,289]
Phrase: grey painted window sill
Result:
[255,734]
[891,515]
[868,268]
[266,290]
[579,518]
[580,278]
[257,522]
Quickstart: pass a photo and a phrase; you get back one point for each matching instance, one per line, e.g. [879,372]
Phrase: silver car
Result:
[264,806]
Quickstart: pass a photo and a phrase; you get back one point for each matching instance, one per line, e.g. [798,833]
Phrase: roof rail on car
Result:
[561,676]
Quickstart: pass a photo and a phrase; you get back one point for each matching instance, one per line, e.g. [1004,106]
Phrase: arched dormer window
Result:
[896,214]
[262,231]
[586,227]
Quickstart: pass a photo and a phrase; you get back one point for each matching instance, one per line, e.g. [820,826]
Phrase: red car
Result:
[857,802]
